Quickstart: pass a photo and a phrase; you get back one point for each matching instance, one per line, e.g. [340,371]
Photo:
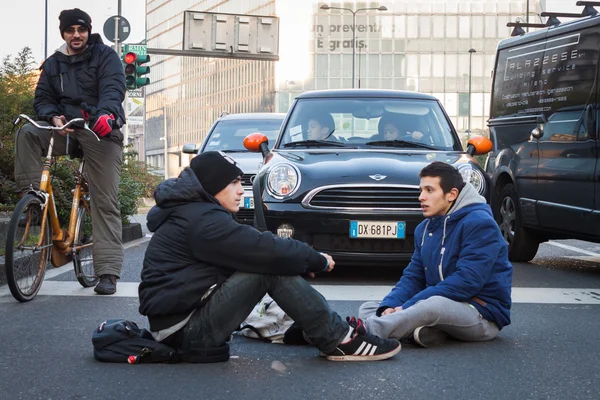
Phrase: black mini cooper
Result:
[342,175]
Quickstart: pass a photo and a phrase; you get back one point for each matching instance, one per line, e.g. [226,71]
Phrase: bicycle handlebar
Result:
[56,128]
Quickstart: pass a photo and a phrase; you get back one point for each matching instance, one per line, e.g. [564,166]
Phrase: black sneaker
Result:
[363,346]
[427,336]
[106,285]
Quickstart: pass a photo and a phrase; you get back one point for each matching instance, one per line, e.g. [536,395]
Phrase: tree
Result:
[17,86]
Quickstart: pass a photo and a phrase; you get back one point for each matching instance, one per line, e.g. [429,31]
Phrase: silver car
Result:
[227,134]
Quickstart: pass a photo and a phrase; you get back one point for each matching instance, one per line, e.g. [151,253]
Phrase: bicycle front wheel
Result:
[28,249]
[83,255]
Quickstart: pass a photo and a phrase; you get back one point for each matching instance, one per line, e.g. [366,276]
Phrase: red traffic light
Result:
[130,58]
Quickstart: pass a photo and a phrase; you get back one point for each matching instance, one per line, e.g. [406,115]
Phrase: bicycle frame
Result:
[62,240]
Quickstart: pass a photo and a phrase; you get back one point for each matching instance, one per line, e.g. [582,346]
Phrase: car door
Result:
[567,146]
[566,173]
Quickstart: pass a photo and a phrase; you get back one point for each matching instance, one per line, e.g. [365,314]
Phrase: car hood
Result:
[364,166]
[248,162]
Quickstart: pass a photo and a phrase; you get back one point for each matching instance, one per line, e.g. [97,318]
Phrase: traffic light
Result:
[134,70]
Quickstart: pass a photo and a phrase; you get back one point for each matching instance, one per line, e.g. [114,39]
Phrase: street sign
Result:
[139,49]
[244,36]
[109,28]
[136,93]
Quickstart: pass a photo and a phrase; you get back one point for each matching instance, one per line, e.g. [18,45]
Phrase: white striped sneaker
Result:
[364,347]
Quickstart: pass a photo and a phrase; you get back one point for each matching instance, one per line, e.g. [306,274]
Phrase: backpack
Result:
[122,341]
[269,323]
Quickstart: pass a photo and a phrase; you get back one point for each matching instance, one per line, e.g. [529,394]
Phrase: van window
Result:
[565,126]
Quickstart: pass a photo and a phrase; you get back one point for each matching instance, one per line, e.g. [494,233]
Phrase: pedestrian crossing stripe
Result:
[530,295]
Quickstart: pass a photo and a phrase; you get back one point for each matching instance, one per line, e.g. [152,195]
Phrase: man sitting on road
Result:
[203,272]
[459,279]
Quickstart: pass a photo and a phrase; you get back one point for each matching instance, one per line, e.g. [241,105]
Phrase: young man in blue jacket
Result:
[204,272]
[458,282]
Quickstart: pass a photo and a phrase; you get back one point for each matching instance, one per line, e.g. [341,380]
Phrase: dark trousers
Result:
[230,304]
[102,170]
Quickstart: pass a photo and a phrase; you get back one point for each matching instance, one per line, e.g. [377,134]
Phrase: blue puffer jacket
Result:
[461,256]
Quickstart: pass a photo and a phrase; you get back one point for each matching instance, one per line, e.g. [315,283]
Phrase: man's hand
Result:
[391,310]
[59,121]
[416,135]
[103,124]
[330,262]
[330,265]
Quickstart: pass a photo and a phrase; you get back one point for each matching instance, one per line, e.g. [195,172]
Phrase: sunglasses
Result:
[80,30]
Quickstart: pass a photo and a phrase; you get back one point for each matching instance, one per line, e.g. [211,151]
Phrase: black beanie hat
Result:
[72,17]
[215,170]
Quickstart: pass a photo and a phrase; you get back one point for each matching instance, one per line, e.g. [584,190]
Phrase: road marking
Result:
[573,248]
[343,293]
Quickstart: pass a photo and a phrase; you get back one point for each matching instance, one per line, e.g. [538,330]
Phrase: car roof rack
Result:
[588,10]
[223,113]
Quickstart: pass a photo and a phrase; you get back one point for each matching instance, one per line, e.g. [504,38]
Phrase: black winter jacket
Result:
[95,77]
[197,244]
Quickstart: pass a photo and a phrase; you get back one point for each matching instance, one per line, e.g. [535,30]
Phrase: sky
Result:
[17,32]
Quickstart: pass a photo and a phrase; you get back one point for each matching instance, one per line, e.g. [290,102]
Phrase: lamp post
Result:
[46,33]
[289,91]
[327,7]
[471,51]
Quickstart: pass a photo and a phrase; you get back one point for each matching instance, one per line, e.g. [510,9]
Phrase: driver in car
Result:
[389,130]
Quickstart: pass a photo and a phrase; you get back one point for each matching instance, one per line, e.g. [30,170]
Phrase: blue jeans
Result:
[230,304]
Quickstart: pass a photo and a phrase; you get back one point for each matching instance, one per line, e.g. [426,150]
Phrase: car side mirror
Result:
[479,145]
[189,148]
[258,142]
[538,131]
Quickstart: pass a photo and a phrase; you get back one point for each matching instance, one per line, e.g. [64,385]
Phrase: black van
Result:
[544,125]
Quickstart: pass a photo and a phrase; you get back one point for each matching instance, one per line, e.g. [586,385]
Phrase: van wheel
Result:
[522,245]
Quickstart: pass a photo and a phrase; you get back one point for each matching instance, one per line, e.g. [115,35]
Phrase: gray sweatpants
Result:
[102,169]
[459,320]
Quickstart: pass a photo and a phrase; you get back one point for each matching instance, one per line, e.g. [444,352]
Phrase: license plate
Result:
[249,202]
[377,229]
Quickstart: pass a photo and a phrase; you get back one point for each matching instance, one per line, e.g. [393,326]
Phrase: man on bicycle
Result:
[83,77]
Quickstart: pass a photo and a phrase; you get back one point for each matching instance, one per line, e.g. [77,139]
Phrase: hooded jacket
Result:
[94,77]
[461,256]
[197,243]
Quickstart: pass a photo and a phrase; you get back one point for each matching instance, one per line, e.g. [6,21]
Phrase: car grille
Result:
[364,197]
[245,215]
[247,179]
[326,242]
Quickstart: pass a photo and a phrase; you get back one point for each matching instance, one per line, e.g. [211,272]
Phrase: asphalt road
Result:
[550,351]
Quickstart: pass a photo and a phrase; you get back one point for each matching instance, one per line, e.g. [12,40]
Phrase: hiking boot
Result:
[106,285]
[427,336]
[364,347]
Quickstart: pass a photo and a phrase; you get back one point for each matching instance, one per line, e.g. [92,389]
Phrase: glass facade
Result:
[421,46]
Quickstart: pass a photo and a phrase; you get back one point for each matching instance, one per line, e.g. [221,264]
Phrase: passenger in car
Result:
[320,126]
[204,272]
[459,280]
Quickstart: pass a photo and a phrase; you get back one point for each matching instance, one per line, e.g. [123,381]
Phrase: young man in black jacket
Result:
[204,272]
[83,71]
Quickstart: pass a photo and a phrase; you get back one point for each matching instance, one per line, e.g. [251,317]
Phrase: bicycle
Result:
[35,237]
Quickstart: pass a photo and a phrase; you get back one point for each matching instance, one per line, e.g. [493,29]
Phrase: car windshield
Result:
[228,135]
[368,123]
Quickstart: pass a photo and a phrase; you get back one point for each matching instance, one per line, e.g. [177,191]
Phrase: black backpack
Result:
[122,341]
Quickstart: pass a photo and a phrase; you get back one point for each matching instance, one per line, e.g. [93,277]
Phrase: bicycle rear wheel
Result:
[83,255]
[28,249]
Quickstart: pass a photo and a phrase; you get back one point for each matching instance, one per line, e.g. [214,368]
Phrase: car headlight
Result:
[283,180]
[474,176]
